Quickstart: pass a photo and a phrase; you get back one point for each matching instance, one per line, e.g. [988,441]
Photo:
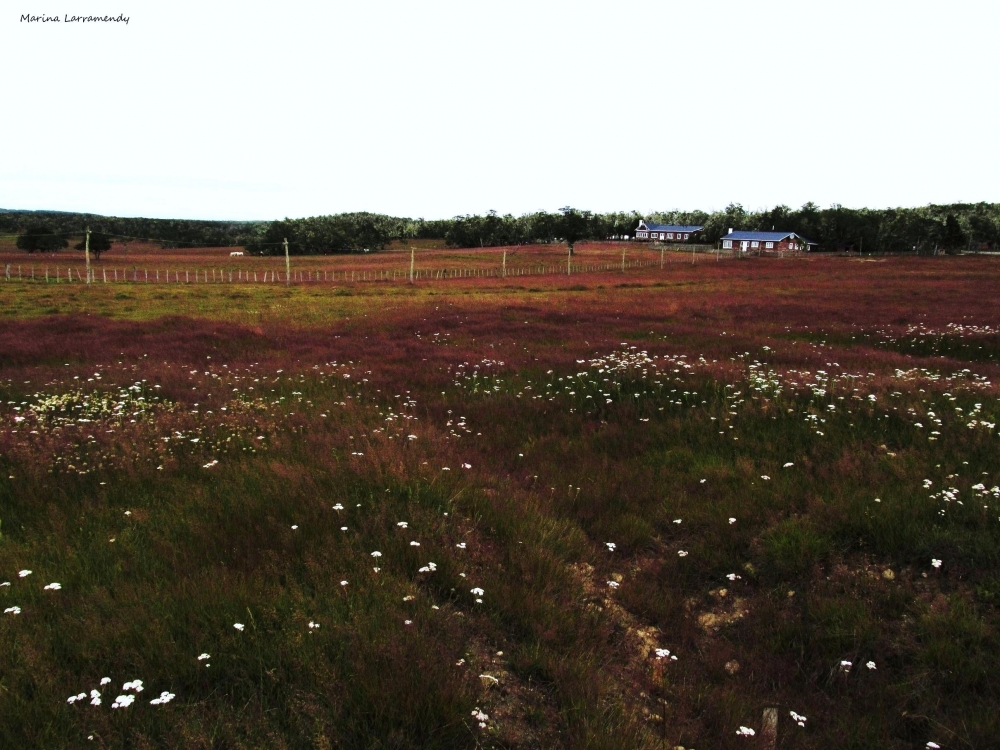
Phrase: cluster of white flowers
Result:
[123,701]
[798,718]
[663,653]
[481,717]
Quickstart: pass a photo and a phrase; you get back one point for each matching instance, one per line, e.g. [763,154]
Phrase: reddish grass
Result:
[547,488]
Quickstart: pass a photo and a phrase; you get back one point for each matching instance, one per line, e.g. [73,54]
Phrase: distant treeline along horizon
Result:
[959,226]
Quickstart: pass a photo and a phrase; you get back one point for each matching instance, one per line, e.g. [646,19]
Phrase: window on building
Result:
[755,244]
[685,236]
[670,235]
[727,244]
[661,235]
[769,245]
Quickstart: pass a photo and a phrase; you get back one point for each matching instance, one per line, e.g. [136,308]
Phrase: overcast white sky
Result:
[257,110]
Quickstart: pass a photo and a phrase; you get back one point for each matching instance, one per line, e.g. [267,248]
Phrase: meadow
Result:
[631,509]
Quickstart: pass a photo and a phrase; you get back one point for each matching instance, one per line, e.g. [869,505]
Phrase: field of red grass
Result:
[617,510]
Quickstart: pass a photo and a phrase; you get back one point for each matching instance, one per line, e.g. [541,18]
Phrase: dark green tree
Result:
[575,226]
[42,239]
[952,236]
[99,243]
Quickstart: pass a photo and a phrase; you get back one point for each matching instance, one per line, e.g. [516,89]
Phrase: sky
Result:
[213,109]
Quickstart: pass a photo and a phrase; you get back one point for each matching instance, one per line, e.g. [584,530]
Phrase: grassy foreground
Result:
[610,512]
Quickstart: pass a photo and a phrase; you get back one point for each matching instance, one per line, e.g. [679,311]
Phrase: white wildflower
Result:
[123,701]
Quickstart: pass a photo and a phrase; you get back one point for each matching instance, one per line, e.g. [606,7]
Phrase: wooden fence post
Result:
[287,262]
[86,252]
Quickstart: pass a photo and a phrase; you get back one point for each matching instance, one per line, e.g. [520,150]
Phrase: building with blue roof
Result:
[767,242]
[665,232]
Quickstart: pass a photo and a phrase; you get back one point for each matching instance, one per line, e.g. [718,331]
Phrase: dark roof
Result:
[765,236]
[669,227]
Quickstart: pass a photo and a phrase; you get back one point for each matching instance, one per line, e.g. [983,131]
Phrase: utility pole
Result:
[411,263]
[623,260]
[661,257]
[86,252]
[505,264]
[569,259]
[288,265]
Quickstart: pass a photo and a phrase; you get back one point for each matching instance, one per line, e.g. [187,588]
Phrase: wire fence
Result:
[56,274]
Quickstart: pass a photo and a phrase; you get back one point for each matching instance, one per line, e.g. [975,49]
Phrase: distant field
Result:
[617,510]
[150,263]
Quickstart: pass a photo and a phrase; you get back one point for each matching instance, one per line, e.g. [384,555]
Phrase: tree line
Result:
[52,230]
[953,227]
[923,229]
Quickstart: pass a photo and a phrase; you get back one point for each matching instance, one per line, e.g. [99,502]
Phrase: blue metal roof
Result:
[670,227]
[765,236]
